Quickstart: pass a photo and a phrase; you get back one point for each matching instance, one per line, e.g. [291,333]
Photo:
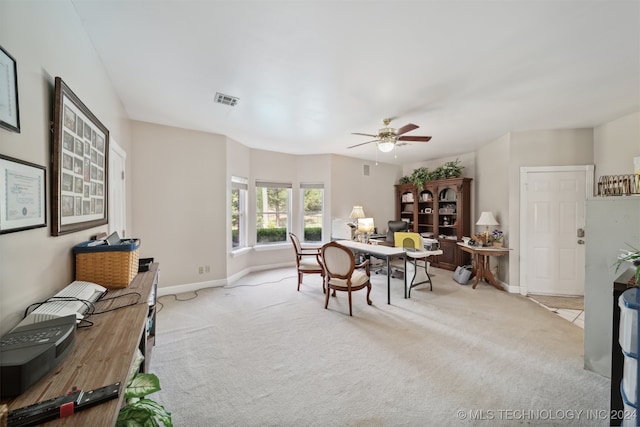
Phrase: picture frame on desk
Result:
[9,107]
[80,165]
[23,203]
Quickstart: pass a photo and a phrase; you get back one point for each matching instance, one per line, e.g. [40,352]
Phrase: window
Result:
[238,212]
[273,212]
[312,209]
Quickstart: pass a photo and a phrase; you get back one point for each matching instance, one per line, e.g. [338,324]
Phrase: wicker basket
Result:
[112,266]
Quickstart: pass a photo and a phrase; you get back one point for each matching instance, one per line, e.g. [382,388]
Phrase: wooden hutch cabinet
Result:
[442,211]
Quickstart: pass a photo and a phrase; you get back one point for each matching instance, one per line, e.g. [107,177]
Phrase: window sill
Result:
[272,247]
[240,251]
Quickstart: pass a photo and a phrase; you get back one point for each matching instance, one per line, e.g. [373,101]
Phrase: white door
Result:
[552,220]
[117,189]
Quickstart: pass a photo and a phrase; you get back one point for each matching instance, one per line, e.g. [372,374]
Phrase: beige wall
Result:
[616,144]
[492,193]
[47,40]
[375,193]
[179,177]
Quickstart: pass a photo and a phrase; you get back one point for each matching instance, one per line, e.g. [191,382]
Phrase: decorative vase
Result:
[497,244]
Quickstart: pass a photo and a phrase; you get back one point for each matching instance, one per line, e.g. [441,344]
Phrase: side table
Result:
[481,262]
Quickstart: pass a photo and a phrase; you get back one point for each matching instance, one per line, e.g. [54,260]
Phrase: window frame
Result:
[241,185]
[258,211]
[311,186]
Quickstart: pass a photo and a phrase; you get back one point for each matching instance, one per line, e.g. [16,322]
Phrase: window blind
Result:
[308,185]
[237,182]
[269,184]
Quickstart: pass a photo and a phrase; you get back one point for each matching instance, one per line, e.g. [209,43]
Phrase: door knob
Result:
[580,242]
[580,232]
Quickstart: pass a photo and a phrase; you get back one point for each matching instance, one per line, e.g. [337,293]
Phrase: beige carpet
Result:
[570,303]
[261,354]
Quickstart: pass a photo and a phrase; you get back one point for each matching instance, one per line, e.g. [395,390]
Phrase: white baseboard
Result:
[191,287]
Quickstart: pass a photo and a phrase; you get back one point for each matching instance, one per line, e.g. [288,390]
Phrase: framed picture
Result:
[9,112]
[80,165]
[22,190]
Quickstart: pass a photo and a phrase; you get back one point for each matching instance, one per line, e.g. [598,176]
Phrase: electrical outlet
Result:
[207,269]
[200,270]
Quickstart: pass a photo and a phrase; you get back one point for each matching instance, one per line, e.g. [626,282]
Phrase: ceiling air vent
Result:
[221,98]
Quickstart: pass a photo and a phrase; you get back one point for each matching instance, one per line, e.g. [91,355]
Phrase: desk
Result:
[380,252]
[421,255]
[101,355]
[481,256]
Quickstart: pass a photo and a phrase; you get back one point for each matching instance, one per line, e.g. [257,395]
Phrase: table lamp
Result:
[366,227]
[356,213]
[487,219]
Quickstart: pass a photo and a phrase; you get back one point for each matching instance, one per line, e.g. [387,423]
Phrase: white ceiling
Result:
[308,73]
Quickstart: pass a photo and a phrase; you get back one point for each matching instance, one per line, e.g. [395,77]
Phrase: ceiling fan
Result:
[387,137]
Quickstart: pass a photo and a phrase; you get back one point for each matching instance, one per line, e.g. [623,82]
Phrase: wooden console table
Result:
[103,353]
[481,262]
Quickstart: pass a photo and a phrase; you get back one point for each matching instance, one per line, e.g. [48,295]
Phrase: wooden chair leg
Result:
[350,312]
[299,280]
[326,298]
[369,292]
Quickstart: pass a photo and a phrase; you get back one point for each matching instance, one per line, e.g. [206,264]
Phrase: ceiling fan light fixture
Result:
[386,145]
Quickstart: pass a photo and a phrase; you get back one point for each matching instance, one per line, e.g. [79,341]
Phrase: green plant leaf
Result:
[131,416]
[158,411]
[144,413]
[142,385]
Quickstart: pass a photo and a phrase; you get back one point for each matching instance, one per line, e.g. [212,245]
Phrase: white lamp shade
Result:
[365,225]
[357,212]
[386,146]
[487,218]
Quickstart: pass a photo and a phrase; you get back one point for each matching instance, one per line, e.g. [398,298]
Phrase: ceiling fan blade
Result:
[368,142]
[415,138]
[406,128]
[364,134]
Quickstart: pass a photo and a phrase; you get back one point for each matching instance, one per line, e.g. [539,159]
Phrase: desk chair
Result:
[392,228]
[416,252]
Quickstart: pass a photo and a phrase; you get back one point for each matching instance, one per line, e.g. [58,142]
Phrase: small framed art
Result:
[22,195]
[9,109]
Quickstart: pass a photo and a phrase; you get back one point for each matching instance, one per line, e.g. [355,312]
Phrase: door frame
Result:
[117,154]
[524,173]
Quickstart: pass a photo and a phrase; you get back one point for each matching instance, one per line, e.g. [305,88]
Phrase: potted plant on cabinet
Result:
[497,236]
[634,258]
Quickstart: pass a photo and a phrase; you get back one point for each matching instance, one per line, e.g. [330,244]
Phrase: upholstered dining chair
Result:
[342,273]
[307,260]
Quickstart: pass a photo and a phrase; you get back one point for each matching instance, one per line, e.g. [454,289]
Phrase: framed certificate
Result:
[22,192]
[9,112]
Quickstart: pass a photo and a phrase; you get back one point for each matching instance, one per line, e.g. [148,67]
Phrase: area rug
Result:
[552,301]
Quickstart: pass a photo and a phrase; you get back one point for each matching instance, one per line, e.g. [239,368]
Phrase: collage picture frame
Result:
[80,165]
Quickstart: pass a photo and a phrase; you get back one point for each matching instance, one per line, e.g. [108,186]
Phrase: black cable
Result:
[89,304]
[175,296]
[260,284]
[137,301]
